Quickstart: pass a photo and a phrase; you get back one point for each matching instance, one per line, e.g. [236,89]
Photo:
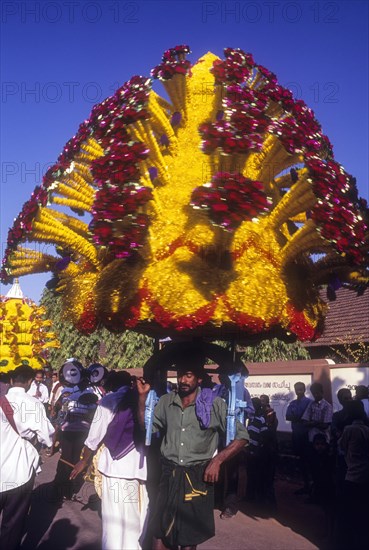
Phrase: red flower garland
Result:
[87,322]
[300,326]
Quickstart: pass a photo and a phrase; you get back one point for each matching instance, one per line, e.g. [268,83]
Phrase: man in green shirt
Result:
[183,514]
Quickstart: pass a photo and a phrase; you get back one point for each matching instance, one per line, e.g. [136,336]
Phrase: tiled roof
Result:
[347,320]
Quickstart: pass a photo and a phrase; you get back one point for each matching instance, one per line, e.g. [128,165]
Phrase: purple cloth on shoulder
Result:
[119,437]
[204,403]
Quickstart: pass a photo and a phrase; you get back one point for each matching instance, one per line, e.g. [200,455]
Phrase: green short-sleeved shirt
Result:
[184,442]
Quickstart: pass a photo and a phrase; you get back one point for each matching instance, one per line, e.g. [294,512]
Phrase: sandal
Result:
[227,514]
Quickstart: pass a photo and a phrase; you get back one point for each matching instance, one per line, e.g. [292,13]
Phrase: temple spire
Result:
[15,291]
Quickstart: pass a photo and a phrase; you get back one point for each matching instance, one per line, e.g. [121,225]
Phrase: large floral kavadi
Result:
[219,211]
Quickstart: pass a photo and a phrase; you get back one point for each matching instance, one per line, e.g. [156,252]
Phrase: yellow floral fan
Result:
[25,335]
[205,212]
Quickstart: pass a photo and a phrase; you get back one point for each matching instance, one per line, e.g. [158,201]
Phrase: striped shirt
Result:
[257,428]
[318,411]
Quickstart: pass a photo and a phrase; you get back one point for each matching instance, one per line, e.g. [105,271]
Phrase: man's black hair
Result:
[23,374]
[256,404]
[316,386]
[192,361]
[342,392]
[266,396]
[362,392]
[117,379]
[355,411]
[5,377]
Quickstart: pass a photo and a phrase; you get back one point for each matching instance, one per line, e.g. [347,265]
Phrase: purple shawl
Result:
[204,403]
[119,437]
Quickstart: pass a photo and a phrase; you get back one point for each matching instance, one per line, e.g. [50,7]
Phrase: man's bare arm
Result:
[212,471]
[143,389]
[83,463]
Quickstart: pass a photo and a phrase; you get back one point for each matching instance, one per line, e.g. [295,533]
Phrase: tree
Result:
[117,351]
[274,350]
[356,352]
[270,350]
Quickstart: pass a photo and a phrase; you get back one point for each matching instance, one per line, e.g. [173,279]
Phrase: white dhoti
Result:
[124,511]
[124,499]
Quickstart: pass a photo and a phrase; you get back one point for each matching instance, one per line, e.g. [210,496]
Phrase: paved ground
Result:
[77,526]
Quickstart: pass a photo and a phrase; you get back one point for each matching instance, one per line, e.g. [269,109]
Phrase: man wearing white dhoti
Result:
[123,468]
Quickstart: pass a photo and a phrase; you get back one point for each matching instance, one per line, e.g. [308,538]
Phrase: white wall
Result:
[347,378]
[279,388]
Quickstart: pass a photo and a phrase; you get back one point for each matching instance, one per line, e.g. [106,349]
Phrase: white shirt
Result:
[44,398]
[18,457]
[131,466]
[54,395]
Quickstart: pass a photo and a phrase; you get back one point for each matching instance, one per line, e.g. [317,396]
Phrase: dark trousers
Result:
[71,444]
[301,447]
[255,477]
[14,505]
[234,486]
[260,478]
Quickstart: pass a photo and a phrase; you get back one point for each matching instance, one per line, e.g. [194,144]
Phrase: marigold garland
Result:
[24,334]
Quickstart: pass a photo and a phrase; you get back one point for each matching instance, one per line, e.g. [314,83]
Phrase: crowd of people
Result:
[164,498]
[333,452]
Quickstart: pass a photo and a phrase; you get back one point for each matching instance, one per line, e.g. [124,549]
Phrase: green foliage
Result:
[127,350]
[269,350]
[274,350]
[116,351]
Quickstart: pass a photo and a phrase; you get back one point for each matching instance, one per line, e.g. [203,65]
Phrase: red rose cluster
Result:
[129,104]
[249,90]
[230,199]
[338,210]
[115,221]
[299,131]
[236,68]
[240,126]
[73,146]
[174,62]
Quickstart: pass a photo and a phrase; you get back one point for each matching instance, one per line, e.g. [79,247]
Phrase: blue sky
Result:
[59,58]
